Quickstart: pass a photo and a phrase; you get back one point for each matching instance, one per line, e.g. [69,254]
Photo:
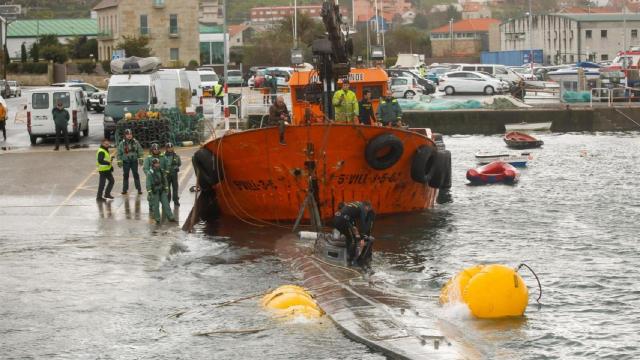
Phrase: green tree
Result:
[407,39]
[23,53]
[421,21]
[82,48]
[48,40]
[34,52]
[56,53]
[453,13]
[135,46]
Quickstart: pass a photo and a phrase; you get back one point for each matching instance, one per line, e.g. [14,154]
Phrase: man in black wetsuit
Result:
[354,220]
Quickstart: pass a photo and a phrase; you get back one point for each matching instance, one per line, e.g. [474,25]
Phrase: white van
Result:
[128,94]
[496,70]
[208,79]
[168,85]
[40,104]
[196,84]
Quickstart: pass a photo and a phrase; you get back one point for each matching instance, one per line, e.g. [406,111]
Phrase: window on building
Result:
[174,54]
[604,57]
[571,58]
[603,34]
[634,34]
[144,25]
[173,24]
[158,3]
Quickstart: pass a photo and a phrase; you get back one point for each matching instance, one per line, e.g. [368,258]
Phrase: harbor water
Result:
[98,284]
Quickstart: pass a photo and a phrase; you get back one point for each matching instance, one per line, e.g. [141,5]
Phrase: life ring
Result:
[422,163]
[207,168]
[440,174]
[387,140]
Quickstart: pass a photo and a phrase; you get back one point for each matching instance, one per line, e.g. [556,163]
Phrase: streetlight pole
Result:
[451,37]
[530,38]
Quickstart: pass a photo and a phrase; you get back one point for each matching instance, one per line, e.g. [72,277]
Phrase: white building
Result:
[568,38]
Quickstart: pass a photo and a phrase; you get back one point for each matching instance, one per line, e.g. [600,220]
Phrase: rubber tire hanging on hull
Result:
[422,163]
[380,142]
[440,175]
[207,168]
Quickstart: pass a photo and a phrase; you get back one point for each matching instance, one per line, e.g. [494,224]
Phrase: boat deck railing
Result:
[614,95]
[258,103]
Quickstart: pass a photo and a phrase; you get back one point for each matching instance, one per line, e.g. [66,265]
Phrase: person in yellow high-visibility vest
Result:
[345,104]
[105,169]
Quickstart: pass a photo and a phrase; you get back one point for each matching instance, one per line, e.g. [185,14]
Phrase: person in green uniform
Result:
[130,154]
[389,112]
[345,104]
[172,165]
[154,152]
[61,120]
[157,189]
[105,170]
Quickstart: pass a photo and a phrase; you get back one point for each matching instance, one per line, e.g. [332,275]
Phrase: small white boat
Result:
[524,126]
[517,160]
[135,65]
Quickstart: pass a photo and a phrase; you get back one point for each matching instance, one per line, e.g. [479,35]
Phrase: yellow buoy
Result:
[293,300]
[491,291]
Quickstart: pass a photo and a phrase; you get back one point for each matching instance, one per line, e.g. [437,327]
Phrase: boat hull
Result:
[517,160]
[264,180]
[544,126]
[492,173]
[518,140]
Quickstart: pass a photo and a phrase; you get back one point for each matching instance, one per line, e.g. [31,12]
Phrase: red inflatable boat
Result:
[495,172]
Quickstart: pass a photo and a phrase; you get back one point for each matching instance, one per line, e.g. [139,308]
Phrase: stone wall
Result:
[30,79]
[492,121]
[461,47]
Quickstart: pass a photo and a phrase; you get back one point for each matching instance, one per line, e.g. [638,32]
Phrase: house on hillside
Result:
[464,38]
[475,11]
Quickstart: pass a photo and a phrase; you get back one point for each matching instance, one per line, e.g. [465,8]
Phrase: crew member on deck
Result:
[389,112]
[366,109]
[345,104]
[354,220]
[279,116]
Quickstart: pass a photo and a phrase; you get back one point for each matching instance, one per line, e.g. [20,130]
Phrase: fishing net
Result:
[167,125]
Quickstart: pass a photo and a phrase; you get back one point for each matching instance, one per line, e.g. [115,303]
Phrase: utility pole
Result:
[225,33]
[531,38]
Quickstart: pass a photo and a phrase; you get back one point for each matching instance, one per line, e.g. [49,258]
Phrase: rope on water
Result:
[535,275]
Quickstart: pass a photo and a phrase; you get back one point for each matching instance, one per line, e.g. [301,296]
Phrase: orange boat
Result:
[250,176]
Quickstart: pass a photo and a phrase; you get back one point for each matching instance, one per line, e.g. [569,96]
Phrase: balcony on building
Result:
[174,31]
[145,31]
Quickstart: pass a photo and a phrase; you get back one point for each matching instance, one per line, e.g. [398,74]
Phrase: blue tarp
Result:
[576,96]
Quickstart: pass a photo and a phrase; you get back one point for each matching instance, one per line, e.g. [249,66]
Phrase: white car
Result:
[16,90]
[471,82]
[97,101]
[404,87]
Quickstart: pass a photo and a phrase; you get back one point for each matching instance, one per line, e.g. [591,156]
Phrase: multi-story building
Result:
[464,38]
[211,12]
[170,26]
[272,14]
[364,10]
[568,38]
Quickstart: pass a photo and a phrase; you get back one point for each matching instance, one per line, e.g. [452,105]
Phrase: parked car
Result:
[87,88]
[428,85]
[434,74]
[471,82]
[208,79]
[499,71]
[97,101]
[15,89]
[257,80]
[405,87]
[40,103]
[252,73]
[524,72]
[282,74]
[234,78]
[5,89]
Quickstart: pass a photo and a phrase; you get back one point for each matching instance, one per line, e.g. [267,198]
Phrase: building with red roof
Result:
[464,38]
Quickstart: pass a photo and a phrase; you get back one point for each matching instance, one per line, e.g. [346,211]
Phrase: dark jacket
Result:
[157,181]
[389,112]
[366,112]
[275,113]
[172,163]
[60,117]
[354,212]
[130,150]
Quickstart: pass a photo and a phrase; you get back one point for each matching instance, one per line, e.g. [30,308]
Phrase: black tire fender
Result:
[422,163]
[390,158]
[207,167]
[440,174]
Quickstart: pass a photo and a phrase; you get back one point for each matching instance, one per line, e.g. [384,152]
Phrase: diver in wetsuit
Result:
[354,220]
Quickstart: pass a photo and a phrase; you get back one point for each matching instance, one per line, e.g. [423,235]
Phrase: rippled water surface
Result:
[86,287]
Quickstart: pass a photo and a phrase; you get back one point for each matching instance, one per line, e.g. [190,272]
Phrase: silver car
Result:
[15,89]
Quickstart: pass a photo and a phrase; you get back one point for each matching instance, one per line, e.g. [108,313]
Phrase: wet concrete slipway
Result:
[81,280]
